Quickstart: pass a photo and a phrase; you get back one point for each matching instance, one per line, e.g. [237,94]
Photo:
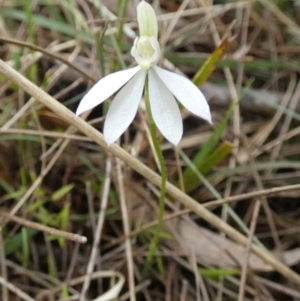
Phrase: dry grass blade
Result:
[112,293]
[126,226]
[15,290]
[5,217]
[3,267]
[49,54]
[98,230]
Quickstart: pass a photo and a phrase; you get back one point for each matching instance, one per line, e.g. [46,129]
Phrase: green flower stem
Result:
[122,5]
[163,171]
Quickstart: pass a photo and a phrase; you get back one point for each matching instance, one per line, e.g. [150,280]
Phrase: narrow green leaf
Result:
[212,142]
[210,65]
[58,194]
[15,242]
[216,273]
[53,25]
[64,217]
[5,186]
[191,180]
[255,65]
[25,253]
[33,70]
[16,194]
[207,147]
[51,267]
[64,291]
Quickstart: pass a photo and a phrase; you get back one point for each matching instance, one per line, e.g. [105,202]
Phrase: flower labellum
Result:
[163,86]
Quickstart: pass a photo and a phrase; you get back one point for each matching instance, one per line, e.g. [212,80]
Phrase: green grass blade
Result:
[214,274]
[60,193]
[208,146]
[15,243]
[218,155]
[53,25]
[25,248]
[210,65]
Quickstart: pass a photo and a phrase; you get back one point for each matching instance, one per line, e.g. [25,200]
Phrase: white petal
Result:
[147,20]
[105,88]
[164,109]
[156,47]
[123,108]
[186,92]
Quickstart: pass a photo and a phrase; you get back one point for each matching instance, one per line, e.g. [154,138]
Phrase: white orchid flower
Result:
[163,86]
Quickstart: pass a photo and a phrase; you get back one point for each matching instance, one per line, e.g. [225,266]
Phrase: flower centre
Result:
[144,47]
[146,51]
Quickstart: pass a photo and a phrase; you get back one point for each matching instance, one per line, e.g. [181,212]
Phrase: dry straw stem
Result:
[98,230]
[210,205]
[3,268]
[52,231]
[126,227]
[48,53]
[138,166]
[15,290]
[111,294]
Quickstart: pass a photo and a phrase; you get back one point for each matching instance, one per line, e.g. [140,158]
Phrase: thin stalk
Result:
[163,172]
[100,50]
[122,5]
[32,71]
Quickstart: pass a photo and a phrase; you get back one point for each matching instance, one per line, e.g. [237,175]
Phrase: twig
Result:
[210,205]
[98,230]
[138,288]
[113,292]
[15,290]
[3,267]
[45,229]
[49,54]
[250,195]
[255,214]
[126,227]
[184,290]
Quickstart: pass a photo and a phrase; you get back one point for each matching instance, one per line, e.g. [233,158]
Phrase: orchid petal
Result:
[123,108]
[105,88]
[147,20]
[186,92]
[164,109]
